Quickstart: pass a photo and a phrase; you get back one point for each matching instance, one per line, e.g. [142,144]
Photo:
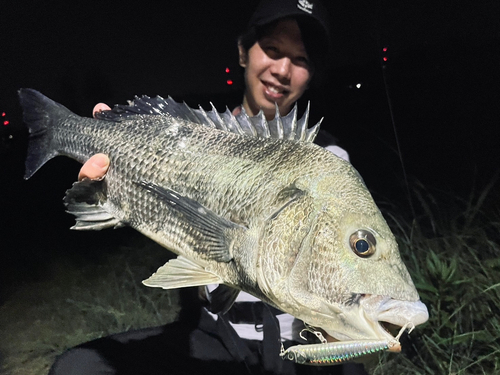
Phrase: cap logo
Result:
[305,6]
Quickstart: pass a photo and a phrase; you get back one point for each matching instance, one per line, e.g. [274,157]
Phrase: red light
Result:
[384,49]
[227,70]
[3,114]
[385,59]
[6,123]
[229,82]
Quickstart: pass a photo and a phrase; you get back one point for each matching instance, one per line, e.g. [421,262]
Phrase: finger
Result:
[96,167]
[100,107]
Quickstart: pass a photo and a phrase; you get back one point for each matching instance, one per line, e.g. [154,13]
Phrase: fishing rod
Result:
[384,58]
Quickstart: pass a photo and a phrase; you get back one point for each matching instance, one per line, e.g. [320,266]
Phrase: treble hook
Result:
[316,333]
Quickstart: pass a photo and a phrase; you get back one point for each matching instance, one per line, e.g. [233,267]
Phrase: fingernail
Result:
[100,164]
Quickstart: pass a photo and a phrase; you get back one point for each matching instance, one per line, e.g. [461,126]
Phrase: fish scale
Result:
[249,204]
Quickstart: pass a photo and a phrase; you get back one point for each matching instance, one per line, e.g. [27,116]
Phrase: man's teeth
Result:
[274,89]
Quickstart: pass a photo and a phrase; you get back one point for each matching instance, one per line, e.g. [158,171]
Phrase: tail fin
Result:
[39,114]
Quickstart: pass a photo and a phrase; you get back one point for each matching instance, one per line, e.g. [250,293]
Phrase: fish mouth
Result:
[381,318]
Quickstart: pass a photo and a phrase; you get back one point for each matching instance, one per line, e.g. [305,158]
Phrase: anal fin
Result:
[179,273]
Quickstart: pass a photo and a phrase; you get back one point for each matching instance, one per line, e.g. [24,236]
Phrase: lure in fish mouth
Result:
[371,315]
[369,318]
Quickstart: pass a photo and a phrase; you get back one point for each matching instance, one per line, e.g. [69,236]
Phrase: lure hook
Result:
[316,333]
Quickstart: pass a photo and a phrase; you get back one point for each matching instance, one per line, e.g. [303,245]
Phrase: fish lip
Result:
[372,329]
[374,313]
[399,313]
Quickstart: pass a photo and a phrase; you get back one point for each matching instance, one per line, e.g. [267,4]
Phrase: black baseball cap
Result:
[311,10]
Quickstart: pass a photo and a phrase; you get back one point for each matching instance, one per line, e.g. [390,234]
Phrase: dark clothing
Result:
[177,348]
[195,344]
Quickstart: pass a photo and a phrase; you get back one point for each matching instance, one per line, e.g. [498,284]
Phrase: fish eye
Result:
[362,243]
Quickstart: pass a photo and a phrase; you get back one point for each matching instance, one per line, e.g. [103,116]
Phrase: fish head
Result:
[348,276]
[357,276]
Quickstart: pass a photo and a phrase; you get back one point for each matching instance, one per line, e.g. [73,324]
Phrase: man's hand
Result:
[94,168]
[97,166]
[100,107]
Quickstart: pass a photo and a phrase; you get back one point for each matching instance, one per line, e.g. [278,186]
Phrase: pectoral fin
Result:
[87,201]
[179,273]
[210,235]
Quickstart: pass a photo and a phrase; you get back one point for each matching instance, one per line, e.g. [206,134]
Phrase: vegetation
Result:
[450,245]
[452,252]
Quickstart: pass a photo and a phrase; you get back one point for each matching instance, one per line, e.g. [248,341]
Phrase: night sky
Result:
[441,80]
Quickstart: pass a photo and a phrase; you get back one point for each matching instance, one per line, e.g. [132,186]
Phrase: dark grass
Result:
[82,302]
[451,249]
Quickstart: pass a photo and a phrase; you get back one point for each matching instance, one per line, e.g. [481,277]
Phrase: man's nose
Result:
[282,68]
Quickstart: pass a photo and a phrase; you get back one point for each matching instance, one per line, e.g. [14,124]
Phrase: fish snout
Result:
[402,312]
[392,314]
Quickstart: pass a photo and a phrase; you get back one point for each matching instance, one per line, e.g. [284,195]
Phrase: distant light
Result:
[358,85]
[3,114]
[227,70]
[229,82]
[384,49]
[6,123]
[385,58]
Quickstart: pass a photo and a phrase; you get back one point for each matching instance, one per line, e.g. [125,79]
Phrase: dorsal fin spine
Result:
[222,124]
[263,125]
[248,123]
[290,124]
[277,123]
[302,124]
[191,111]
[208,120]
[313,132]
[235,122]
[294,122]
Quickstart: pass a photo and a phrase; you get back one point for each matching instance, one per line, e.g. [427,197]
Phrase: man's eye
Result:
[302,61]
[272,49]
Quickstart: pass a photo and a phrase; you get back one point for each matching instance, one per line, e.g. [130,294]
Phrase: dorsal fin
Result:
[286,127]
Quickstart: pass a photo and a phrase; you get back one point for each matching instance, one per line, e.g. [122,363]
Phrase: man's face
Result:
[277,70]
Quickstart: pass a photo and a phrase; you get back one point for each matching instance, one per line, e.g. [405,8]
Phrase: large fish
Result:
[248,204]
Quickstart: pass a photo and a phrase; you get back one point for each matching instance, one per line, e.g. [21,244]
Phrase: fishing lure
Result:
[330,353]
